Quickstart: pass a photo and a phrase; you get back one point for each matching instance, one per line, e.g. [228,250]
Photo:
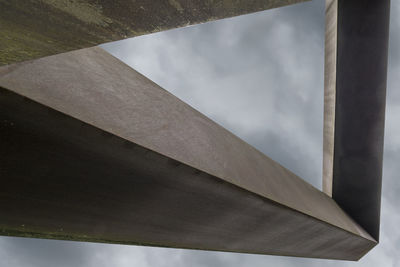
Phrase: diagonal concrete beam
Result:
[356,56]
[32,29]
[93,151]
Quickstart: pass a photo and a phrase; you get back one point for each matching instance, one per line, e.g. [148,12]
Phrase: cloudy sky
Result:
[261,77]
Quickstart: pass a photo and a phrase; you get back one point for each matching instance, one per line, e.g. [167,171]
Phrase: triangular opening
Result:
[259,75]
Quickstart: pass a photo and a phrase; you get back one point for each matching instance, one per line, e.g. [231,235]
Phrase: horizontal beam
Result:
[36,28]
[94,151]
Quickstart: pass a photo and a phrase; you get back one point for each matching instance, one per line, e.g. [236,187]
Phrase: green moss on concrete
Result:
[176,5]
[84,11]
[29,35]
[17,44]
[23,231]
[31,29]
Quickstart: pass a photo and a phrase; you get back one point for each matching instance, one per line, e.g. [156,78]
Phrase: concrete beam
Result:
[36,28]
[94,151]
[357,35]
[329,94]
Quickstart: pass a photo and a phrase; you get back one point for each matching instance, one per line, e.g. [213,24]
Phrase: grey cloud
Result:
[36,252]
[260,76]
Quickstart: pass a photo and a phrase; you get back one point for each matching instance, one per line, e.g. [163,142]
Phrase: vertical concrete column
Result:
[355,92]
[329,93]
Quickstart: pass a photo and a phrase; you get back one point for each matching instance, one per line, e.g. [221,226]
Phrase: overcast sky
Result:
[261,77]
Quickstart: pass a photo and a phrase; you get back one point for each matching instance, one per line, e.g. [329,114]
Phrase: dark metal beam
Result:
[355,94]
[93,151]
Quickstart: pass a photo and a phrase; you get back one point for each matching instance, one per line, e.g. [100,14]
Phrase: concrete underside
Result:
[32,29]
[355,95]
[94,151]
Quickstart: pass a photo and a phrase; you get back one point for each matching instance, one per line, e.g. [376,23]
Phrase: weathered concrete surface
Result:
[329,93]
[32,29]
[94,151]
[355,94]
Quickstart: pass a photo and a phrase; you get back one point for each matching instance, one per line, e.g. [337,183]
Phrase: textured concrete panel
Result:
[329,94]
[92,150]
[32,29]
[355,94]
